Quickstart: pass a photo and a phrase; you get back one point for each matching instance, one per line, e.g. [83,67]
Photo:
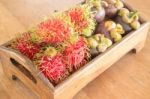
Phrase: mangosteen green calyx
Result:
[98,43]
[116,30]
[110,25]
[116,36]
[135,25]
[106,41]
[130,18]
[92,42]
[104,44]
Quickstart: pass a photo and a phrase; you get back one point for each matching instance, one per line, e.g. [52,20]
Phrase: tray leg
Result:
[139,47]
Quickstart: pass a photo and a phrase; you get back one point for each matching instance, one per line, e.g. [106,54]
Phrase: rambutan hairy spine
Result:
[53,31]
[76,55]
[24,45]
[53,68]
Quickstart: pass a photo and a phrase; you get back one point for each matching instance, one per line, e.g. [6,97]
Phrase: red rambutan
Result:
[81,18]
[49,61]
[76,55]
[53,68]
[53,31]
[77,18]
[25,46]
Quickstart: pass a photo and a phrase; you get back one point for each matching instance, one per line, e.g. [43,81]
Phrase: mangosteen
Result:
[100,15]
[111,11]
[101,29]
[125,26]
[94,52]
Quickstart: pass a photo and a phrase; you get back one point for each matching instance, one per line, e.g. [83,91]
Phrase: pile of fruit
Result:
[68,40]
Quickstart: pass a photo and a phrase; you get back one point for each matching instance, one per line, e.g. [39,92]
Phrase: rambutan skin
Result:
[77,18]
[25,46]
[53,68]
[82,21]
[53,31]
[76,55]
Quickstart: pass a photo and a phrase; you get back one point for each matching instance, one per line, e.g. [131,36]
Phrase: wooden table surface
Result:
[129,78]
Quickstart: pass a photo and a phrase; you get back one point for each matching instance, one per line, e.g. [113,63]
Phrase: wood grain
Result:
[129,78]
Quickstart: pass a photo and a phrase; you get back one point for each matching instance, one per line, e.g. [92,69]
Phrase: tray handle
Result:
[19,62]
[22,68]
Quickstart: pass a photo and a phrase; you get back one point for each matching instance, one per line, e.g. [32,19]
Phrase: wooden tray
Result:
[17,67]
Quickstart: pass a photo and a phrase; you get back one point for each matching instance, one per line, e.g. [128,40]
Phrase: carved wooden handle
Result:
[22,69]
[19,63]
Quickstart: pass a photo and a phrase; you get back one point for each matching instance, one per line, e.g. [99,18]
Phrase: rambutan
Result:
[53,68]
[53,31]
[25,46]
[51,65]
[82,20]
[76,55]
